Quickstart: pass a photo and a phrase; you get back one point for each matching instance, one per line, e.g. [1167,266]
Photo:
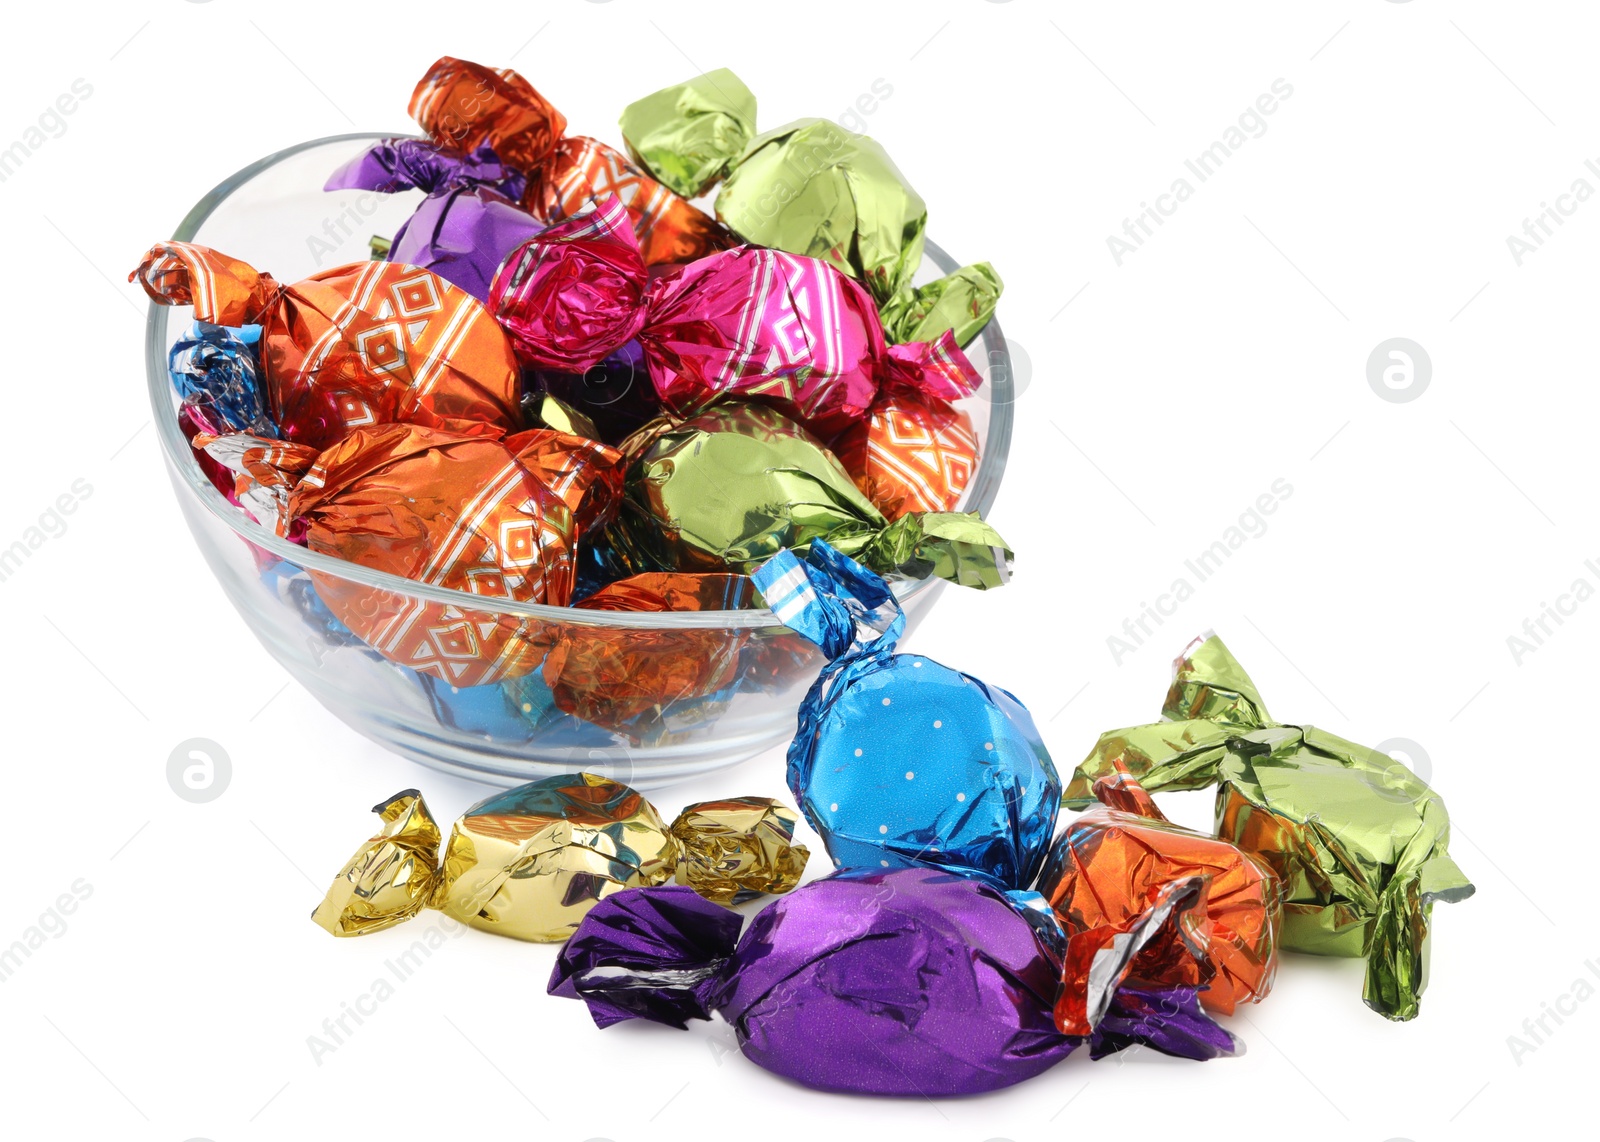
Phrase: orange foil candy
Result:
[910,455]
[352,347]
[1206,913]
[466,106]
[495,518]
[611,676]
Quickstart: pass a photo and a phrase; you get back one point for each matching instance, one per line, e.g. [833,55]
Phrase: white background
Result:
[1166,394]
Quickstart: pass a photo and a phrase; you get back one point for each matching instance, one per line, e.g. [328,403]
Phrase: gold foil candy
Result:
[739,848]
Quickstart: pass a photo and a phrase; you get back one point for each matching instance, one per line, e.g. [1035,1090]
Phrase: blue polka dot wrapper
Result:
[900,762]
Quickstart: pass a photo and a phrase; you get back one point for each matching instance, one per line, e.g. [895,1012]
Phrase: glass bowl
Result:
[749,672]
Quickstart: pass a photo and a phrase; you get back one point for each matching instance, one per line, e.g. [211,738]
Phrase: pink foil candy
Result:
[748,321]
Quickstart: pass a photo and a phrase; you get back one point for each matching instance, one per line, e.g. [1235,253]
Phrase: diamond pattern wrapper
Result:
[466,106]
[812,187]
[351,347]
[529,862]
[745,322]
[903,982]
[733,486]
[911,455]
[610,677]
[1106,870]
[899,761]
[498,519]
[1359,842]
[734,850]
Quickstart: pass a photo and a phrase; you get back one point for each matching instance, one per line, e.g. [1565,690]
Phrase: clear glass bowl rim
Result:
[981,496]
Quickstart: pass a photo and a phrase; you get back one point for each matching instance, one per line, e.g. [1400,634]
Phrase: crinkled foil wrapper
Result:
[532,861]
[1359,842]
[730,488]
[353,346]
[911,455]
[898,760]
[1108,868]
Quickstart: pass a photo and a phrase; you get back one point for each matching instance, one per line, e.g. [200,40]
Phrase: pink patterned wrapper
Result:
[749,321]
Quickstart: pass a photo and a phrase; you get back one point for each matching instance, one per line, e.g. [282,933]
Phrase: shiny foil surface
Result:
[358,345]
[1107,870]
[530,862]
[899,761]
[745,322]
[465,106]
[908,982]
[688,134]
[1359,842]
[216,372]
[498,518]
[730,488]
[469,221]
[612,676]
[910,455]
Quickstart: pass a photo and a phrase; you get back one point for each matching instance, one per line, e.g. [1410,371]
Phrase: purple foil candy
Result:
[468,223]
[1170,1020]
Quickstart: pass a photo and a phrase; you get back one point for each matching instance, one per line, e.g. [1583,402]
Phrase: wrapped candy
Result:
[466,106]
[469,220]
[1358,841]
[910,455]
[217,374]
[1111,865]
[359,345]
[899,761]
[611,676]
[731,487]
[812,188]
[900,982]
[747,322]
[531,861]
[495,517]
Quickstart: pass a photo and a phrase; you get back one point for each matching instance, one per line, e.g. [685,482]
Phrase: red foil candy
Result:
[352,347]
[910,455]
[466,105]
[750,322]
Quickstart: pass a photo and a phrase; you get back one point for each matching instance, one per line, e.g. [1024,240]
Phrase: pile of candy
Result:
[565,384]
[961,944]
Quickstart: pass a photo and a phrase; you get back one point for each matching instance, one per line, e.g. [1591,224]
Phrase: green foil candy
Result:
[812,188]
[1359,842]
[728,489]
[687,135]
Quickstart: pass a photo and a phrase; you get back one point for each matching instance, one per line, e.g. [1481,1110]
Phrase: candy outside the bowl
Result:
[908,982]
[747,322]
[497,518]
[1359,842]
[466,106]
[358,345]
[530,862]
[899,761]
[729,488]
[1111,866]
[814,188]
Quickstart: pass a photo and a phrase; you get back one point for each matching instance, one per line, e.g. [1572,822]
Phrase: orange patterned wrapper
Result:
[352,347]
[611,676]
[466,106]
[1207,913]
[498,519]
[910,455]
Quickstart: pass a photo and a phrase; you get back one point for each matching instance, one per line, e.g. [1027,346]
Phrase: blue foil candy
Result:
[898,761]
[216,370]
